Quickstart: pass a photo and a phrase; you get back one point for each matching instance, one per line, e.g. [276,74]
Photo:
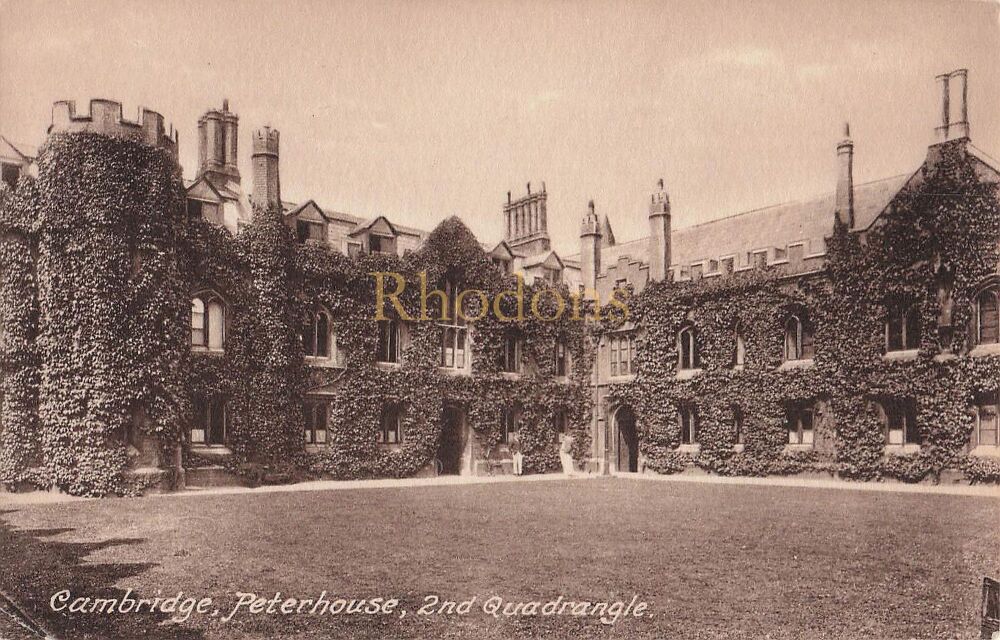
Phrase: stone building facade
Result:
[789,242]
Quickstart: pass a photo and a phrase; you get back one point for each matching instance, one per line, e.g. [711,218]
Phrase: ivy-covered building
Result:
[158,331]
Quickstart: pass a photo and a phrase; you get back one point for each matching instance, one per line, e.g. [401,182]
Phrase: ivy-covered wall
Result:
[935,245]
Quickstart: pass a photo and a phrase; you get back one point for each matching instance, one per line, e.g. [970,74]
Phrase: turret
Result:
[844,207]
[659,234]
[266,182]
[106,118]
[590,250]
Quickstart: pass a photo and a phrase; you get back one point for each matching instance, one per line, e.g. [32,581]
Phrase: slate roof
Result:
[808,221]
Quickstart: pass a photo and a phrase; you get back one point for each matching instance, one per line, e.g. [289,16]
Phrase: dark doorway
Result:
[628,441]
[452,441]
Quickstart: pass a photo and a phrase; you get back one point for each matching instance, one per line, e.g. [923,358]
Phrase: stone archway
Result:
[453,442]
[626,441]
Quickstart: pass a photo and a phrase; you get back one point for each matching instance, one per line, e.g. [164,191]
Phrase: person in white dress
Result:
[565,457]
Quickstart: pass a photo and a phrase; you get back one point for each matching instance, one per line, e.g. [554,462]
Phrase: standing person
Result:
[515,449]
[565,456]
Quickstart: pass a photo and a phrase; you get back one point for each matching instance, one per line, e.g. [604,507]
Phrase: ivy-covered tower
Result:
[113,303]
[590,249]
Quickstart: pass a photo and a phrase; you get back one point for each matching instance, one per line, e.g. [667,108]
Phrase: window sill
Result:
[621,379]
[207,350]
[216,451]
[687,374]
[510,375]
[901,449]
[689,448]
[796,364]
[562,379]
[395,446]
[986,451]
[793,448]
[315,448]
[738,367]
[903,354]
[452,371]
[738,448]
[388,366]
[325,363]
[981,350]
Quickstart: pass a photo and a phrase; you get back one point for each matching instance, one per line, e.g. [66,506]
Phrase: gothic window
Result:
[799,343]
[511,362]
[561,358]
[987,320]
[315,419]
[208,322]
[318,338]
[687,347]
[388,341]
[455,332]
[688,417]
[510,419]
[987,429]
[799,420]
[899,417]
[210,422]
[903,328]
[390,425]
[622,351]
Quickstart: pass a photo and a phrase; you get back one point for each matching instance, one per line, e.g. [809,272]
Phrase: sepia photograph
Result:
[500,319]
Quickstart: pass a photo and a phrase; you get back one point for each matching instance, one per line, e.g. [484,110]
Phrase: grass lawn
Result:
[711,560]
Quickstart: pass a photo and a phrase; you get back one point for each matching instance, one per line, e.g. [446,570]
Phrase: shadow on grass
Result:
[36,567]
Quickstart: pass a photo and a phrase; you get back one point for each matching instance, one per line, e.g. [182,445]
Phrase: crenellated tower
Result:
[105,118]
[590,249]
[659,233]
[266,181]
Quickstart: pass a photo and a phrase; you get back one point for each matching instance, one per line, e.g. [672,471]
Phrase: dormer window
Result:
[10,174]
[306,231]
[208,211]
[381,244]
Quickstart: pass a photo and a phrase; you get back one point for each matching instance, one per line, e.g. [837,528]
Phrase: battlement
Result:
[105,118]
[265,141]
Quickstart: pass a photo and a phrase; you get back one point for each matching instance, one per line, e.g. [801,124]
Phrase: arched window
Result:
[208,322]
[902,329]
[318,339]
[390,425]
[987,316]
[687,347]
[739,357]
[798,340]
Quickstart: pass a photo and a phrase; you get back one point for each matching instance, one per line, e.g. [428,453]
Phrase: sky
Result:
[423,109]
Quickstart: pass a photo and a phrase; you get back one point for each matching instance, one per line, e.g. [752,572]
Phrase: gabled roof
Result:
[378,225]
[203,189]
[807,221]
[308,210]
[502,251]
[607,235]
[549,259]
[16,150]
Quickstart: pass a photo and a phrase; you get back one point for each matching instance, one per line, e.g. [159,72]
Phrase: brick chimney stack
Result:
[590,250]
[844,207]
[954,105]
[266,182]
[659,234]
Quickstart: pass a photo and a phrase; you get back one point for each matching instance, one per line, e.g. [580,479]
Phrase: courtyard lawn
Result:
[711,560]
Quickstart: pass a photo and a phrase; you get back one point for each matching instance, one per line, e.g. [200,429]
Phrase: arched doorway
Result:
[626,441]
[451,444]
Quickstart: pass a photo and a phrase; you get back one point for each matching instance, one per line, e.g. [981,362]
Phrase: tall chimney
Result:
[954,105]
[230,123]
[266,182]
[590,251]
[217,145]
[659,234]
[844,207]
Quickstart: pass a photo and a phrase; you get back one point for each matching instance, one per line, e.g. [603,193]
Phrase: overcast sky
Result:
[420,110]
